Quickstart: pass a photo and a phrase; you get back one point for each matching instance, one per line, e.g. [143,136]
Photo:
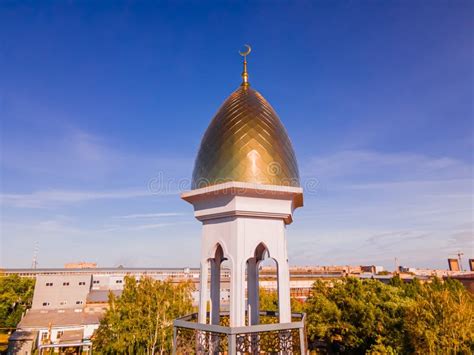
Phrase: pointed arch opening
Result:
[262,280]
[220,275]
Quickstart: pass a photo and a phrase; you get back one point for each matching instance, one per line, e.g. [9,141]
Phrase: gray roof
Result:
[101,296]
[19,335]
[98,270]
[71,336]
[39,319]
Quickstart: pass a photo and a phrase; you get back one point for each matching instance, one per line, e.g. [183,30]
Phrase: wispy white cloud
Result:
[150,215]
[89,147]
[53,226]
[437,186]
[463,238]
[47,198]
[372,207]
[70,153]
[150,226]
[359,246]
[75,156]
[373,166]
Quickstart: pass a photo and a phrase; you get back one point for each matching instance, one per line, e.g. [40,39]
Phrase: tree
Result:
[16,296]
[441,319]
[268,300]
[354,316]
[140,321]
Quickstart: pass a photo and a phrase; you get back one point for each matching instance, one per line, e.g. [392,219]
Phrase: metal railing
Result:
[191,337]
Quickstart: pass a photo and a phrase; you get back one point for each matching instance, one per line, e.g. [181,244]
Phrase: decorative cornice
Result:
[286,217]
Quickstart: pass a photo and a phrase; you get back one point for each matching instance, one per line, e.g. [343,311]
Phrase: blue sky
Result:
[100,101]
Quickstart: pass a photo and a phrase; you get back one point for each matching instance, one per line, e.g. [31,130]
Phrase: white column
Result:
[203,292]
[252,290]
[237,295]
[215,290]
[284,304]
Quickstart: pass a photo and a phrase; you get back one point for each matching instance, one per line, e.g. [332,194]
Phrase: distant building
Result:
[58,317]
[406,269]
[80,265]
[427,272]
[454,265]
[466,279]
[61,328]
[112,279]
[61,291]
[105,279]
[69,303]
[374,269]
[98,300]
[22,342]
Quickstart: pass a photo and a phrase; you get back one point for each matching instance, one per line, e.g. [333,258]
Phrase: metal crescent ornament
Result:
[247,52]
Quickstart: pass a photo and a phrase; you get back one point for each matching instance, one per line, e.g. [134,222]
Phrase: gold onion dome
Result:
[245,142]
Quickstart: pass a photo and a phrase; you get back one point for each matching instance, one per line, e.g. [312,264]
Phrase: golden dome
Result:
[246,142]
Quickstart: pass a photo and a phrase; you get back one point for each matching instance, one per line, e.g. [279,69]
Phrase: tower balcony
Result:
[268,337]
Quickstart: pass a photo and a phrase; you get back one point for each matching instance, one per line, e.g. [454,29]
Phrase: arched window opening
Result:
[220,273]
[225,289]
[262,284]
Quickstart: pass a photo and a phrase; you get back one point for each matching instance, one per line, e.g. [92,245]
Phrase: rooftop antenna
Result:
[460,254]
[34,262]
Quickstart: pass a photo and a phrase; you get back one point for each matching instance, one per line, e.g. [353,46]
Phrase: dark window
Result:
[49,284]
[82,283]
[78,302]
[118,281]
[45,304]
[65,283]
[95,281]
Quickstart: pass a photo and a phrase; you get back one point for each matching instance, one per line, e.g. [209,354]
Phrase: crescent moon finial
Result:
[245,75]
[247,52]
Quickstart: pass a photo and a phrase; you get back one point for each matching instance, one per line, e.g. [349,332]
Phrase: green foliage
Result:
[16,295]
[354,316]
[441,318]
[268,300]
[140,321]
[380,349]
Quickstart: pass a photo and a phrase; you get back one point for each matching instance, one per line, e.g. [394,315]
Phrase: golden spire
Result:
[245,75]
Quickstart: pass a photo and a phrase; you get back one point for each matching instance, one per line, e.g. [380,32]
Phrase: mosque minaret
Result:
[245,187]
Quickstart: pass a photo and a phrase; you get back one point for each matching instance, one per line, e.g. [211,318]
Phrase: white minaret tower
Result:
[241,221]
[245,189]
